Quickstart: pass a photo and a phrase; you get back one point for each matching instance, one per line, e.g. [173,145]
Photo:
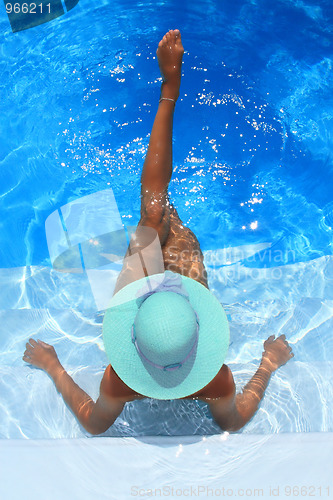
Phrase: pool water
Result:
[253,178]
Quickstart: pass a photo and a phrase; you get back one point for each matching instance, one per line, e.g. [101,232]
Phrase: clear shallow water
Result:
[253,166]
[298,398]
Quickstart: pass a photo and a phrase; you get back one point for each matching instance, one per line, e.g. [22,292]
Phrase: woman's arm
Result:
[94,417]
[234,411]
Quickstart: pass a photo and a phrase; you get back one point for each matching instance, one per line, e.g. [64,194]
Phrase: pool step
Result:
[298,399]
[307,324]
[260,466]
[41,287]
[58,308]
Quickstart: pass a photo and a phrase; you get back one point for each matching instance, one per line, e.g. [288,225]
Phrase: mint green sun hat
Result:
[166,335]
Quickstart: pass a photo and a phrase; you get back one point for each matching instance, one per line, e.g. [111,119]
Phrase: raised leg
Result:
[144,253]
[157,168]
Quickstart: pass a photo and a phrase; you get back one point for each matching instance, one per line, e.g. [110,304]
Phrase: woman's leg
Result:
[157,168]
[144,254]
[180,248]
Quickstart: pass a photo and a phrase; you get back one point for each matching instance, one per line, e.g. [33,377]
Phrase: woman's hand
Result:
[40,354]
[276,352]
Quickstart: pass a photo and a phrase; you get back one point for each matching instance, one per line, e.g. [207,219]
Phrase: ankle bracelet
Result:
[167,99]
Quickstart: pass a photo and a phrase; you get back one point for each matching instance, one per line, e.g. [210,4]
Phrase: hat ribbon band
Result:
[171,282]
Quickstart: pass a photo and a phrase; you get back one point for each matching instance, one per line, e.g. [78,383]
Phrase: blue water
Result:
[79,95]
[253,169]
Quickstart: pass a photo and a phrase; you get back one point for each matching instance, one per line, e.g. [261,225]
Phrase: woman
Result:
[166,336]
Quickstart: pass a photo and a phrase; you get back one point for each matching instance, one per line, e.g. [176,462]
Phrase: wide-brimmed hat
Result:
[166,335]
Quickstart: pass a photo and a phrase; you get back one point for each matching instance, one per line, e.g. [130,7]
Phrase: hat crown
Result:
[165,328]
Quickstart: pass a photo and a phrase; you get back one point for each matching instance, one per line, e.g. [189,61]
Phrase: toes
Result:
[172,35]
[178,39]
[33,342]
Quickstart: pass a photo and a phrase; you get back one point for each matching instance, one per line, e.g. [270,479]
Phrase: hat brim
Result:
[196,373]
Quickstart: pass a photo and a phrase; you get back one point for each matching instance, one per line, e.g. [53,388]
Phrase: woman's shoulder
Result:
[113,387]
[220,386]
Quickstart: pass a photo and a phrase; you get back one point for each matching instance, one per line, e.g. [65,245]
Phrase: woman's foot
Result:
[170,54]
